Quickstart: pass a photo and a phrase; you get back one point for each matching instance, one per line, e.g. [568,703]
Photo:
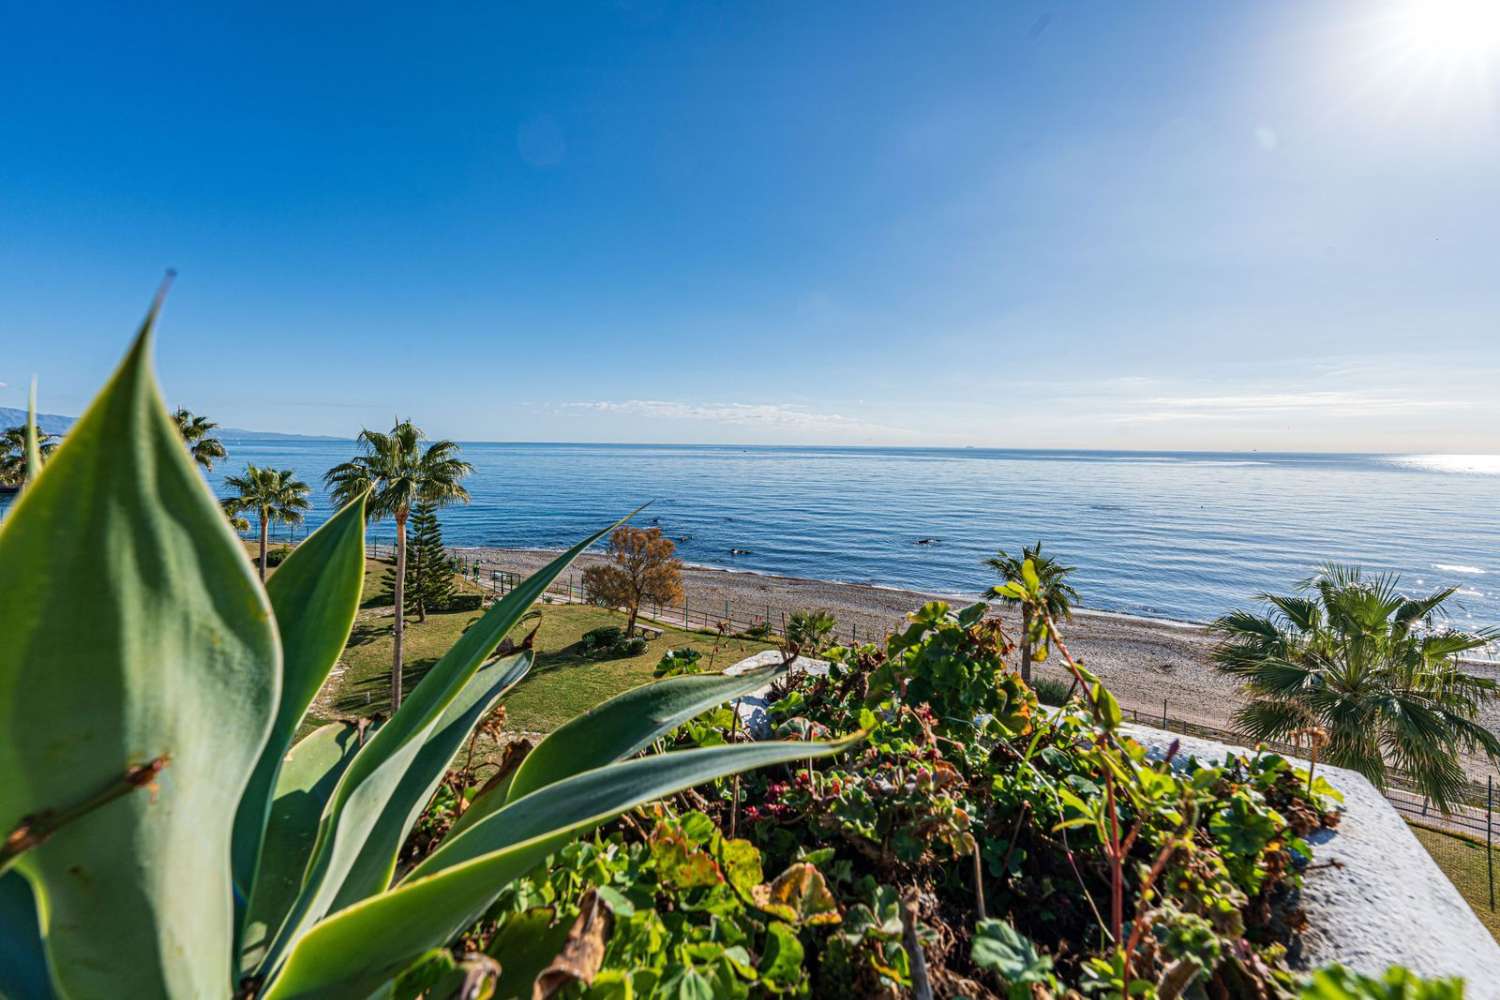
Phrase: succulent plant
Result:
[166,836]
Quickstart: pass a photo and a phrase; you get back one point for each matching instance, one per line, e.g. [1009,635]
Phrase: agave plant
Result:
[167,836]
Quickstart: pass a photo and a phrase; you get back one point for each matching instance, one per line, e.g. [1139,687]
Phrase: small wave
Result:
[1458,568]
[1231,464]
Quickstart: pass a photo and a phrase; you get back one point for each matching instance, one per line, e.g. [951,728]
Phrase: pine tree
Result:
[429,570]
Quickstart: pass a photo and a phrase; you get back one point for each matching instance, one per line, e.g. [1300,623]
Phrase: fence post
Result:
[684,610]
[1489,839]
[1164,713]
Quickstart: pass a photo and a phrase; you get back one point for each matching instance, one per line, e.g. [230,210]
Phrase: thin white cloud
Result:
[770,416]
[1241,405]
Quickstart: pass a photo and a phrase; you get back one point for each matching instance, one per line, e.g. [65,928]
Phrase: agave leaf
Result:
[306,780]
[135,634]
[33,439]
[613,730]
[362,794]
[23,957]
[376,864]
[354,951]
[491,795]
[575,799]
[314,595]
[627,723]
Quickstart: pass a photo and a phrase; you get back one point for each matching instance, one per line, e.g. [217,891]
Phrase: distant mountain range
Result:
[47,423]
[52,423]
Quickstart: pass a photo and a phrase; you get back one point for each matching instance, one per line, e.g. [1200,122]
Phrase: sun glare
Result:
[1436,59]
[1452,29]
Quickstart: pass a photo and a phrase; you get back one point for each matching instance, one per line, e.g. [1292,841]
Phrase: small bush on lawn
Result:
[760,630]
[1051,691]
[686,660]
[464,602]
[610,641]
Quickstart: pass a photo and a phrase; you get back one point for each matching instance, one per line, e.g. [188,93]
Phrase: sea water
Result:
[1184,536]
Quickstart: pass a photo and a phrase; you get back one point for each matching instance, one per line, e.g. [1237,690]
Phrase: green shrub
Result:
[684,660]
[961,767]
[463,602]
[610,641]
[603,641]
[988,778]
[810,629]
[1050,690]
[276,554]
[153,780]
[1338,983]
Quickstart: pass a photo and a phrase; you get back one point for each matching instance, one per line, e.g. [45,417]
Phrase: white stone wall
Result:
[1384,901]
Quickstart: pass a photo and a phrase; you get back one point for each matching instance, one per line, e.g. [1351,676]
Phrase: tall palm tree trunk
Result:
[400,632]
[263,525]
[1026,643]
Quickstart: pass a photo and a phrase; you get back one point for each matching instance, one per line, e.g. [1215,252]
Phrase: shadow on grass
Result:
[370,695]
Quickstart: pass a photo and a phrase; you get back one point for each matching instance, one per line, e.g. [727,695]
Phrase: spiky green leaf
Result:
[303,786]
[354,951]
[376,865]
[626,723]
[314,595]
[364,792]
[134,632]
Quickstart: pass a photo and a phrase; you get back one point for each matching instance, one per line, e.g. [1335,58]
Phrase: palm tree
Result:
[1057,598]
[13,453]
[398,472]
[810,630]
[195,431]
[1353,660]
[272,495]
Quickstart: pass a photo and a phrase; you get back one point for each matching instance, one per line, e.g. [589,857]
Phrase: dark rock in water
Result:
[928,541]
[684,538]
[740,552]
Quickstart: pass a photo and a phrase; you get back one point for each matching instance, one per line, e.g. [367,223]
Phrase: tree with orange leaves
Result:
[642,567]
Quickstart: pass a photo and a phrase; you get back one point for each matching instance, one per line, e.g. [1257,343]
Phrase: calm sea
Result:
[1181,536]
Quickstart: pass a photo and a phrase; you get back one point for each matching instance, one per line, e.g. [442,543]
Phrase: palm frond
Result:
[1270,719]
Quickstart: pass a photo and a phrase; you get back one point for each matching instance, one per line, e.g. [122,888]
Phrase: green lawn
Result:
[561,684]
[1463,862]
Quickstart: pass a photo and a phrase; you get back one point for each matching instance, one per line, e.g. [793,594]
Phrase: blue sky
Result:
[1144,225]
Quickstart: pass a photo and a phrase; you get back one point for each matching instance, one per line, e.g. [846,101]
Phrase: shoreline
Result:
[1152,665]
[957,599]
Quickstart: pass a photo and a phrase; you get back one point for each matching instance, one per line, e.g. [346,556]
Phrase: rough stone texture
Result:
[753,706]
[1385,902]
